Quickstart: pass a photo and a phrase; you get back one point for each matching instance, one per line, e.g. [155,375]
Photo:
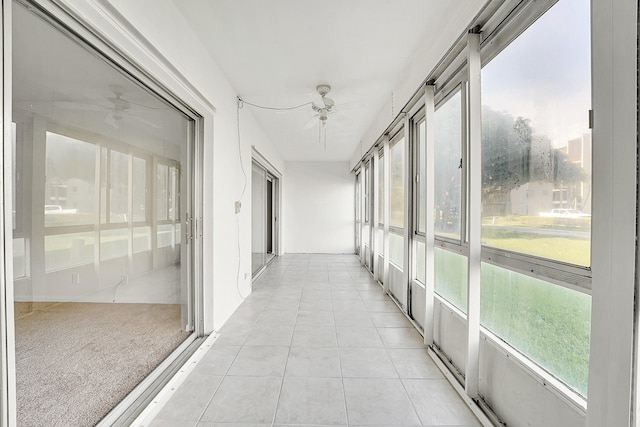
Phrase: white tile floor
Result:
[316,344]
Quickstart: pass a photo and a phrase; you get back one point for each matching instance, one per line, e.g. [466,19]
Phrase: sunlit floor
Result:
[317,343]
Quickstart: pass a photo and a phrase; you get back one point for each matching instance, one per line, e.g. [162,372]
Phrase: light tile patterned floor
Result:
[316,344]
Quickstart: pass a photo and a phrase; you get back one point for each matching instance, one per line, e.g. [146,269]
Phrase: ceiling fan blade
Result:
[312,122]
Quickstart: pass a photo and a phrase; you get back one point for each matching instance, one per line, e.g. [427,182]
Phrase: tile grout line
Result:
[284,371]
[231,364]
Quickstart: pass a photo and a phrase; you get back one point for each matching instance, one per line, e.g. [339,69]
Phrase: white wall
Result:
[319,208]
[156,29]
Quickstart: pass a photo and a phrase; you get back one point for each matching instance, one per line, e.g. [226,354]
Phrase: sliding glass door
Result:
[264,217]
[103,193]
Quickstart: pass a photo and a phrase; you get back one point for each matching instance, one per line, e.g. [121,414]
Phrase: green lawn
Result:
[548,323]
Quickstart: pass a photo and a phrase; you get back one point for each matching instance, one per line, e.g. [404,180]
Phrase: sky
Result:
[545,74]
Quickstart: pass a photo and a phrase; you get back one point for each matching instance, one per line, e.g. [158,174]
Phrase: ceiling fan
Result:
[322,112]
[116,107]
[122,107]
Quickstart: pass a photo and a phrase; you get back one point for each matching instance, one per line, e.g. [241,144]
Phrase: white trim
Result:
[7,322]
[473,406]
[160,399]
[613,255]
[475,220]
[387,213]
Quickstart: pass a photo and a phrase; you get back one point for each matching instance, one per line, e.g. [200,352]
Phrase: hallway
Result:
[317,343]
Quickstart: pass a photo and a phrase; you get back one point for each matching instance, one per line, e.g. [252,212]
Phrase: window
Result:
[396,180]
[139,208]
[70,163]
[451,277]
[536,189]
[118,187]
[162,192]
[168,197]
[536,142]
[548,323]
[420,199]
[396,197]
[448,167]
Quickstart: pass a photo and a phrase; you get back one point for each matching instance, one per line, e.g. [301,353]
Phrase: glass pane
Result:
[448,167]
[548,323]
[162,192]
[396,195]
[258,218]
[19,258]
[114,243]
[420,260]
[380,241]
[396,250]
[119,187]
[367,189]
[381,190]
[164,237]
[68,250]
[451,277]
[178,233]
[104,183]
[536,142]
[70,181]
[141,239]
[139,208]
[82,317]
[422,171]
[173,193]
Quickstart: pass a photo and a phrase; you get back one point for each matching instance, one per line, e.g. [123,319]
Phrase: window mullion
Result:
[387,211]
[474,213]
[429,205]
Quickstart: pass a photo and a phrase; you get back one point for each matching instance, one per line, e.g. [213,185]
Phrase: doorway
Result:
[264,217]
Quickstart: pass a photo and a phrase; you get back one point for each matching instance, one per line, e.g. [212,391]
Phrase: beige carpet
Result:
[76,361]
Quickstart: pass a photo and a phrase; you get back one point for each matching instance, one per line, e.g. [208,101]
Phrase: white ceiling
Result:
[276,52]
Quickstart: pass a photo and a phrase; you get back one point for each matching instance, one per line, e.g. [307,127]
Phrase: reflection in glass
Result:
[118,187]
[93,298]
[139,208]
[448,167]
[19,258]
[162,186]
[68,250]
[141,239]
[70,181]
[164,235]
[114,243]
[536,142]
[396,180]
[548,323]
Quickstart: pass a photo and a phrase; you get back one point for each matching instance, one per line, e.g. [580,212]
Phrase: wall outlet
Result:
[124,279]
[75,278]
[238,206]
[246,275]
